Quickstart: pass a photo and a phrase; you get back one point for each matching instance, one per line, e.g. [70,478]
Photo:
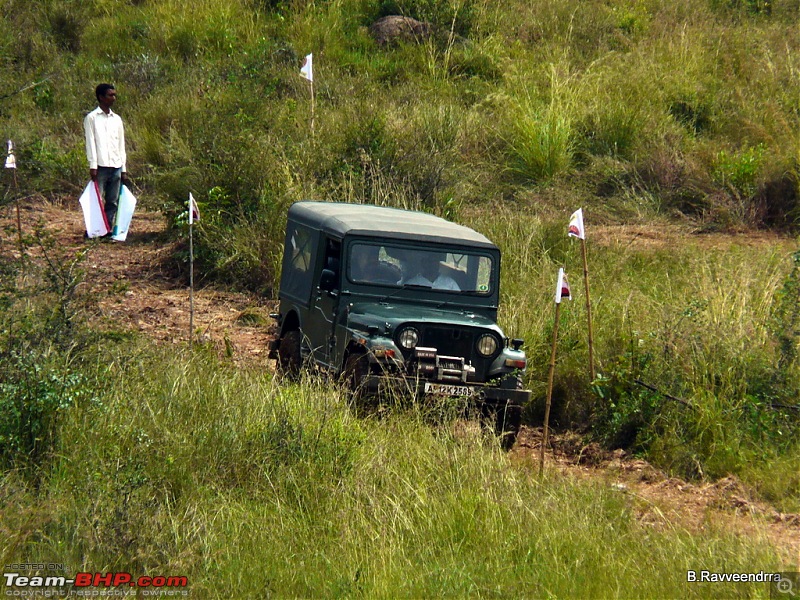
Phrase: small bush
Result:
[540,144]
[739,171]
[66,26]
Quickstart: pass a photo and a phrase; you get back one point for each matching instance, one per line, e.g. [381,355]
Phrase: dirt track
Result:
[132,291]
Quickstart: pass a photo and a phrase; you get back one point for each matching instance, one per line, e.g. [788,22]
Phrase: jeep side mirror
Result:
[327,280]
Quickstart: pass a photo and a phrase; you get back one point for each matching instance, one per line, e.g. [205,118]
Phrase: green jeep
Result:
[391,299]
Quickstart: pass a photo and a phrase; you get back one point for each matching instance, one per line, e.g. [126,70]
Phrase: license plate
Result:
[448,389]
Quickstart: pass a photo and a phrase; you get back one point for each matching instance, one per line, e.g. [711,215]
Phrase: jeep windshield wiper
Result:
[416,286]
[406,286]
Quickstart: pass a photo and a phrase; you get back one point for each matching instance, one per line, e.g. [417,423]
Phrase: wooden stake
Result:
[549,391]
[191,280]
[588,310]
[19,220]
[312,108]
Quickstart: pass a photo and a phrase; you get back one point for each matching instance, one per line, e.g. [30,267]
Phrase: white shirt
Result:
[105,139]
[442,282]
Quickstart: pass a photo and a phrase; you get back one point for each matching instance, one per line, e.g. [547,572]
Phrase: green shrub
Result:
[40,333]
[540,144]
[739,172]
[66,24]
[33,395]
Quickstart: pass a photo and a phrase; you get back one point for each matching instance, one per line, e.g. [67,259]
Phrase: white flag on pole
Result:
[576,225]
[307,71]
[562,287]
[194,212]
[11,162]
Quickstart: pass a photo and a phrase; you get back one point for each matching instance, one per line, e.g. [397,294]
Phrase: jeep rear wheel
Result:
[289,357]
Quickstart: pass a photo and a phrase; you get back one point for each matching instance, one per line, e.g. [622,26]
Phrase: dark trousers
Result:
[108,180]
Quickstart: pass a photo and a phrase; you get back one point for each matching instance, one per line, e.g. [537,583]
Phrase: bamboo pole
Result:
[312,107]
[191,278]
[588,310]
[550,376]
[19,219]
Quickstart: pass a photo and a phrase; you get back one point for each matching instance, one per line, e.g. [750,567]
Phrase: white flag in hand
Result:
[307,71]
[576,225]
[194,212]
[562,287]
[11,162]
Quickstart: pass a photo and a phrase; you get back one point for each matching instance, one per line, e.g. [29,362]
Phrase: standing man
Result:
[105,149]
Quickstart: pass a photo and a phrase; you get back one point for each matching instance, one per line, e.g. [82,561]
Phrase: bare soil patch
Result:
[130,289]
[664,502]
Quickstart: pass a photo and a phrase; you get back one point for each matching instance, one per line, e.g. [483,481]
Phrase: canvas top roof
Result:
[366,219]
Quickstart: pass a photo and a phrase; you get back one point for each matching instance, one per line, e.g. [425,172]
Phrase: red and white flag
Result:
[11,162]
[194,212]
[562,287]
[576,225]
[307,71]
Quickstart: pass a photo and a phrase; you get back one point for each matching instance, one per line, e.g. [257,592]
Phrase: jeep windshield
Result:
[437,269]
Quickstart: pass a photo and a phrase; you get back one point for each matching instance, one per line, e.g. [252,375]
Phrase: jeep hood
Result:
[367,314]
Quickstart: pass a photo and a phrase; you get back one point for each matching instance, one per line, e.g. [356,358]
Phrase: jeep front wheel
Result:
[505,418]
[356,369]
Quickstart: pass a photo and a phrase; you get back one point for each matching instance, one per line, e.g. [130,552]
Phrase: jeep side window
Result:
[298,262]
[329,277]
[300,242]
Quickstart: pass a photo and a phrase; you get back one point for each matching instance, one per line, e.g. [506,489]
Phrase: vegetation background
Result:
[509,116]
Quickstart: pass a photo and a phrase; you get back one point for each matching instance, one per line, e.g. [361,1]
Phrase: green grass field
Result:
[249,487]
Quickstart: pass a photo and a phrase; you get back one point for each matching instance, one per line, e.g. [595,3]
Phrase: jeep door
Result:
[321,318]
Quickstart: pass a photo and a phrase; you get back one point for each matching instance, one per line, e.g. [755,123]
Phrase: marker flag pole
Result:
[577,229]
[11,163]
[307,71]
[192,206]
[588,310]
[562,291]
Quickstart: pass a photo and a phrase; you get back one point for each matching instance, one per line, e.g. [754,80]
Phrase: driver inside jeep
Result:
[426,269]
[367,267]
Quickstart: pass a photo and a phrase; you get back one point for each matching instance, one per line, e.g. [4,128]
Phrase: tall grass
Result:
[700,323]
[248,487]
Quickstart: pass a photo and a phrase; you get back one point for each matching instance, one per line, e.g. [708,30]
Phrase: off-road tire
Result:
[505,419]
[290,360]
[356,368]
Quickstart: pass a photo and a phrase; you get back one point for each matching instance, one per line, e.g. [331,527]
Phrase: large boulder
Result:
[394,29]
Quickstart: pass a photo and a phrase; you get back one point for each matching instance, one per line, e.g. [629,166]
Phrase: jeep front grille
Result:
[451,342]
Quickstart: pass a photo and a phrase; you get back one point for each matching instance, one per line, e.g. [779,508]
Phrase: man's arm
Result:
[91,147]
[122,152]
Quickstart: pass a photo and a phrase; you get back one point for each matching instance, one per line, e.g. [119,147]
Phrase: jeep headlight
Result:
[487,345]
[408,338]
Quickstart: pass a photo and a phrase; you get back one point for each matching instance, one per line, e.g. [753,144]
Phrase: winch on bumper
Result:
[426,372]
